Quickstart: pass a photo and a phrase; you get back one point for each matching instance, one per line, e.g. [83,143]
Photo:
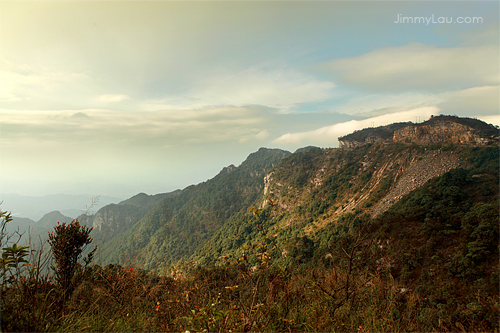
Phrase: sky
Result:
[116,98]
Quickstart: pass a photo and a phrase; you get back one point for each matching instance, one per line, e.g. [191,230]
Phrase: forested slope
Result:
[179,224]
[314,188]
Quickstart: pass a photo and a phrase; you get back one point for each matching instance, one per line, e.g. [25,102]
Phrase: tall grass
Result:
[221,299]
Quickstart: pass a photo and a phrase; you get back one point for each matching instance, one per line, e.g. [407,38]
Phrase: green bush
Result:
[68,242]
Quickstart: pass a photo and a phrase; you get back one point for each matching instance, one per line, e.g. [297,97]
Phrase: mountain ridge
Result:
[202,207]
[441,129]
[313,188]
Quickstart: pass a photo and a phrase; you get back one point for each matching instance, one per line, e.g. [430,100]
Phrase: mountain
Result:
[397,230]
[180,223]
[112,220]
[145,200]
[313,189]
[36,232]
[18,225]
[418,224]
[40,229]
[50,220]
[34,207]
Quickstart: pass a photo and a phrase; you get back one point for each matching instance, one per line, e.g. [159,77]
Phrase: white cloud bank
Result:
[471,102]
[112,98]
[110,128]
[327,135]
[419,67]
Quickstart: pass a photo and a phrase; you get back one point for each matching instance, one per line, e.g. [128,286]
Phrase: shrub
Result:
[68,242]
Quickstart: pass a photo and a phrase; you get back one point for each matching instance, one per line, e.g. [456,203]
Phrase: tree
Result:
[68,241]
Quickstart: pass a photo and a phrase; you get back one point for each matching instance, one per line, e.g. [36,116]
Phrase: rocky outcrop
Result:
[444,130]
[441,132]
[381,134]
[267,182]
[368,139]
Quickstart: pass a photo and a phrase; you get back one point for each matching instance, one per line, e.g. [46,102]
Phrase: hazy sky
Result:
[116,98]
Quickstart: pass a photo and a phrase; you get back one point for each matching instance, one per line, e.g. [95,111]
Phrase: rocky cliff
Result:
[381,134]
[444,130]
[448,130]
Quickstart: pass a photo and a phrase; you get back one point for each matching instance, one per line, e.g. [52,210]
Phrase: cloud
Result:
[418,67]
[471,102]
[24,85]
[377,104]
[112,98]
[279,88]
[80,115]
[255,136]
[490,119]
[327,135]
[108,127]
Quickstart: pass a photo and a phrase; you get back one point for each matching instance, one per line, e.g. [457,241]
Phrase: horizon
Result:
[119,98]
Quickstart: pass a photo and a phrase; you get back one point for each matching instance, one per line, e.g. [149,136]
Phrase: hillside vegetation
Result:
[180,223]
[381,237]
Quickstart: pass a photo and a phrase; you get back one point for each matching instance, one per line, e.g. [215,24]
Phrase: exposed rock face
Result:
[442,132]
[354,144]
[382,134]
[437,130]
[114,218]
[267,182]
[111,218]
[419,171]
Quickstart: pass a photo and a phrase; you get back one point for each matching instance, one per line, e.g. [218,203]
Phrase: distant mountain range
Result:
[174,224]
[35,229]
[35,207]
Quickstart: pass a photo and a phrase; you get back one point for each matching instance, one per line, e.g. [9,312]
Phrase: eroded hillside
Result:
[367,179]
